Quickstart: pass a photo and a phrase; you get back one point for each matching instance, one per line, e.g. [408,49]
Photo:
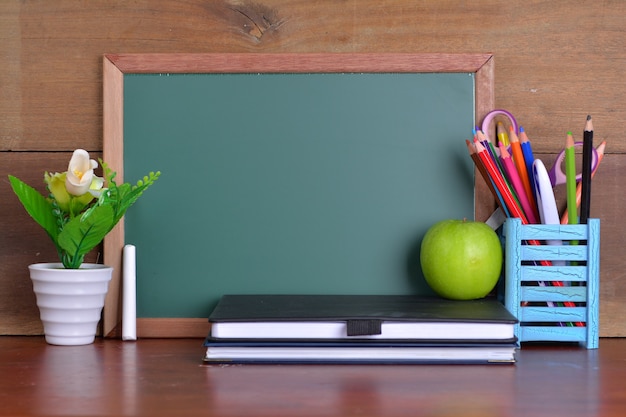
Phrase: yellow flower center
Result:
[79,174]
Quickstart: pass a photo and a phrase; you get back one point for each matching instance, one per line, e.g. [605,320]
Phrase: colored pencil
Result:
[586,174]
[501,134]
[516,182]
[520,164]
[570,182]
[494,153]
[570,176]
[529,158]
[483,172]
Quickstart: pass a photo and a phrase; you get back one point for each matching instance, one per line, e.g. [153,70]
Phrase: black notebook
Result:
[360,317]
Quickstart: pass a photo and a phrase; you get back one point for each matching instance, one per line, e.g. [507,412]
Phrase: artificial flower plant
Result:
[81,207]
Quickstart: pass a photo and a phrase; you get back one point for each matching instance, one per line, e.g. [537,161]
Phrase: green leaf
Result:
[129,195]
[83,233]
[122,197]
[37,206]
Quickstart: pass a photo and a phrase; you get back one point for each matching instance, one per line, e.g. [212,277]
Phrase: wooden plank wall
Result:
[555,62]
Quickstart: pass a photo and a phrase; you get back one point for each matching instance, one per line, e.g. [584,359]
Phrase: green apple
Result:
[460,259]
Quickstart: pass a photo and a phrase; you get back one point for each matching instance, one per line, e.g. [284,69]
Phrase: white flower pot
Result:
[70,301]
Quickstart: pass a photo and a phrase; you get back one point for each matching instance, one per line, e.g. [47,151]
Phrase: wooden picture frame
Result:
[115,66]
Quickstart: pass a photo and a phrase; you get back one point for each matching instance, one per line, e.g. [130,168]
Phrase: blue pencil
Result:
[529,158]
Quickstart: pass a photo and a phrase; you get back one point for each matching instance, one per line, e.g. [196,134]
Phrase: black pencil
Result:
[585,202]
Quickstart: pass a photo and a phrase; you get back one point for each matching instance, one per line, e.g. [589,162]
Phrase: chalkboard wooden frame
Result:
[115,66]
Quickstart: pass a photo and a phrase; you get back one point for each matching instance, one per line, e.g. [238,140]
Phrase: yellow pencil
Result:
[501,133]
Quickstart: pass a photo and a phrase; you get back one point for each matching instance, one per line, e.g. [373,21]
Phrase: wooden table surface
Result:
[166,377]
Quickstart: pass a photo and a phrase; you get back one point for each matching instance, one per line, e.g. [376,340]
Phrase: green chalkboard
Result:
[291,182]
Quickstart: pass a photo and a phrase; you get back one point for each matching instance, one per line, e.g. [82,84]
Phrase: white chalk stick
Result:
[129,294]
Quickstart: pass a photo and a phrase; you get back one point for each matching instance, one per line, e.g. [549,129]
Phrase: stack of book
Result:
[359,329]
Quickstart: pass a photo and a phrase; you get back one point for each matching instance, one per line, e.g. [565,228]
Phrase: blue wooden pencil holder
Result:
[557,302]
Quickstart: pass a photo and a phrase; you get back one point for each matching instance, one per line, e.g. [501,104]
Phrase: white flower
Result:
[80,173]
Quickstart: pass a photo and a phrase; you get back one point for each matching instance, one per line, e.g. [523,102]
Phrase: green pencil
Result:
[570,175]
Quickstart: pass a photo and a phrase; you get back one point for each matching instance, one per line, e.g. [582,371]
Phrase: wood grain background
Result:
[555,62]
